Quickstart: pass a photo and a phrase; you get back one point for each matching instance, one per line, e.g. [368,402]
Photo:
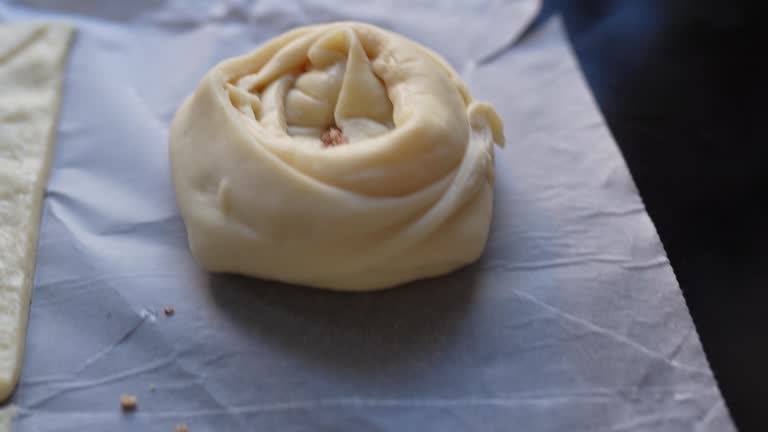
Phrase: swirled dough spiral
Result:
[338,156]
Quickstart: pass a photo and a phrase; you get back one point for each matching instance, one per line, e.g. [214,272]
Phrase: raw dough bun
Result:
[31,68]
[407,196]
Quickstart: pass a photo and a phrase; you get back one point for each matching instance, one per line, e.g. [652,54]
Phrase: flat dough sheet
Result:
[31,68]
[572,321]
[6,415]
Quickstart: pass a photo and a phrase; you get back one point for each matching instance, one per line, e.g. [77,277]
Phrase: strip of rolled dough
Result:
[31,68]
[6,415]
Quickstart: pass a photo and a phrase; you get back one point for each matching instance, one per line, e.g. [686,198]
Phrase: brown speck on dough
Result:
[181,427]
[333,137]
[169,311]
[128,402]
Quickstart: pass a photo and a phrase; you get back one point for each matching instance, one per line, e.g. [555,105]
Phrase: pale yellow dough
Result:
[6,416]
[31,69]
[408,196]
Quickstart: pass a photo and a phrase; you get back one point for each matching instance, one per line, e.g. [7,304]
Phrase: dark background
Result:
[682,87]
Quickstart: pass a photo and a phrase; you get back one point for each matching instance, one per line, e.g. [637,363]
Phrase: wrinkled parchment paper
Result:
[572,321]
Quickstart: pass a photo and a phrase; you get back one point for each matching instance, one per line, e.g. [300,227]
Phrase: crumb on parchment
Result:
[169,311]
[181,427]
[128,402]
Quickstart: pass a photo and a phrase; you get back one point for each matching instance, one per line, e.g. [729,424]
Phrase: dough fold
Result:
[403,192]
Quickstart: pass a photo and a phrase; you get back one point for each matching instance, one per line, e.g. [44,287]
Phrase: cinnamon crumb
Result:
[181,427]
[333,137]
[128,402]
[168,311]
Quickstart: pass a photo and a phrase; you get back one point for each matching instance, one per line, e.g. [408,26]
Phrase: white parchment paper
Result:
[572,321]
